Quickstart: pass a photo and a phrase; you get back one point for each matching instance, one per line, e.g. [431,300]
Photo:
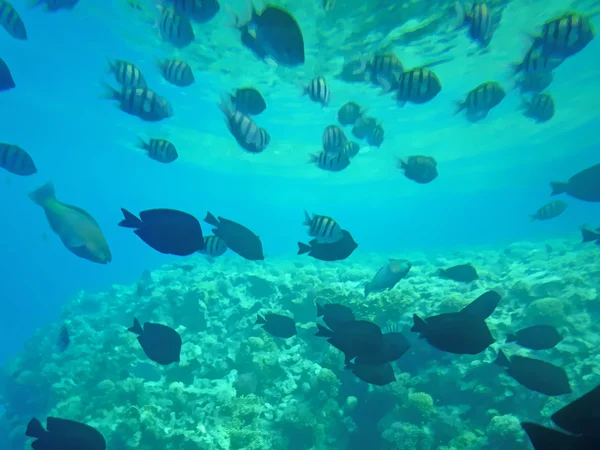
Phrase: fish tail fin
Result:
[532,217]
[260,319]
[313,159]
[323,332]
[141,143]
[111,65]
[211,220]
[400,163]
[419,325]
[303,87]
[459,107]
[136,328]
[363,65]
[35,429]
[42,194]
[589,235]
[307,219]
[558,187]
[303,248]
[502,360]
[320,311]
[129,220]
[511,338]
[367,289]
[110,93]
[386,84]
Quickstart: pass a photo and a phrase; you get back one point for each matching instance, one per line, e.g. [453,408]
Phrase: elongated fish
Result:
[126,73]
[11,21]
[550,210]
[16,160]
[388,276]
[77,229]
[142,102]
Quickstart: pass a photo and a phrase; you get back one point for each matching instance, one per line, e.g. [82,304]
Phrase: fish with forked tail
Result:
[584,185]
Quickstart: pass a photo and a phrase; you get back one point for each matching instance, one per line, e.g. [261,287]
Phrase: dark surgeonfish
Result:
[200,11]
[395,345]
[349,113]
[273,33]
[78,231]
[334,314]
[334,251]
[463,332]
[377,375]
[534,374]
[590,235]
[388,276]
[354,338]
[237,237]
[581,416]
[63,340]
[166,230]
[162,344]
[63,434]
[6,79]
[543,438]
[550,210]
[464,273]
[584,185]
[248,100]
[537,337]
[277,325]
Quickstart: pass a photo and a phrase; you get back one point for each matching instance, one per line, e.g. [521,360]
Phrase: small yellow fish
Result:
[78,231]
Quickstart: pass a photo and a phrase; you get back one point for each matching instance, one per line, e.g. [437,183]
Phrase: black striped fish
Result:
[334,139]
[248,100]
[351,149]
[213,246]
[481,100]
[349,113]
[159,150]
[245,131]
[384,69]
[375,137]
[6,79]
[176,72]
[318,91]
[565,35]
[536,62]
[418,85]
[332,162]
[11,21]
[479,17]
[16,160]
[550,210]
[323,228]
[142,102]
[198,10]
[55,5]
[126,73]
[541,107]
[175,28]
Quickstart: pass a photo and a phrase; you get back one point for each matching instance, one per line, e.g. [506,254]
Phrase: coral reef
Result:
[237,387]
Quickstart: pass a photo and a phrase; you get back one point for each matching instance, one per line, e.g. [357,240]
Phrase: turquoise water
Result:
[493,174]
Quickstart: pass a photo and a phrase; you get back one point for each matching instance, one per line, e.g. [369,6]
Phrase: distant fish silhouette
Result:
[63,339]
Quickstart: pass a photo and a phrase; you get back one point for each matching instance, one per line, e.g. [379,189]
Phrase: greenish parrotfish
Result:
[388,276]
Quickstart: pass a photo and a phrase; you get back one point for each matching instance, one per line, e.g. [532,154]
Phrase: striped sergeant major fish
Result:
[384,69]
[248,135]
[318,91]
[331,162]
[55,5]
[175,28]
[375,137]
[536,62]
[200,11]
[142,102]
[176,72]
[334,139]
[323,228]
[16,160]
[159,150]
[418,85]
[566,35]
[349,113]
[479,17]
[126,73]
[351,149]
[11,21]
[541,107]
[248,100]
[213,246]
[550,210]
[481,100]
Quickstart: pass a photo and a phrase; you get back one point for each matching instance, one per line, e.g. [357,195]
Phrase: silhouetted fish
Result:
[464,273]
[354,338]
[162,344]
[277,325]
[335,251]
[581,416]
[584,185]
[237,237]
[538,337]
[64,434]
[334,314]
[388,276]
[6,80]
[377,375]
[63,339]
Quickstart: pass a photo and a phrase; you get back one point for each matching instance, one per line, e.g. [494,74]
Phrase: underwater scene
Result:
[303,225]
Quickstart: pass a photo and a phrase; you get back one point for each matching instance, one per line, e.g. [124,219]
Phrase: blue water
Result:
[79,141]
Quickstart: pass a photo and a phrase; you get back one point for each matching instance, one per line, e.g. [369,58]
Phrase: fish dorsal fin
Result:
[483,306]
